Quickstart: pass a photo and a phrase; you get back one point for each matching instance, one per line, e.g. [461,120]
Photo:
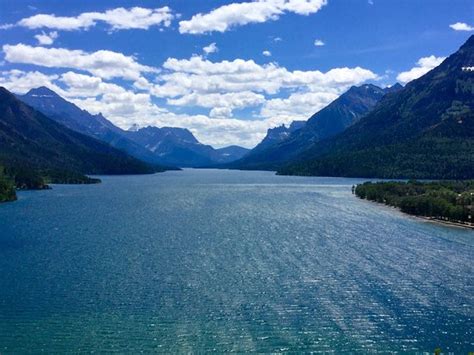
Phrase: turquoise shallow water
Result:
[205,260]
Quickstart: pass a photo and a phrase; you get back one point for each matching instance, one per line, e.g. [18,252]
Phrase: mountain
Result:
[179,147]
[394,88]
[66,113]
[278,134]
[231,153]
[30,141]
[343,112]
[165,146]
[174,146]
[425,130]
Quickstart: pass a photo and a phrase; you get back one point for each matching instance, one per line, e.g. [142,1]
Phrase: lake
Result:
[207,260]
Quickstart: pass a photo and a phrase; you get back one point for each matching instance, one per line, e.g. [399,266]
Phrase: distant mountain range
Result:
[231,153]
[425,130]
[277,135]
[66,113]
[167,146]
[282,144]
[422,130]
[33,146]
[179,147]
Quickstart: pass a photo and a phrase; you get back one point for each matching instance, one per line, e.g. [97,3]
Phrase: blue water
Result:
[205,260]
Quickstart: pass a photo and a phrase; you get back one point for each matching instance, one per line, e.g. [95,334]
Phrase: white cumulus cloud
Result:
[47,39]
[267,94]
[318,43]
[267,53]
[299,106]
[181,76]
[461,26]
[423,66]
[21,82]
[218,102]
[117,19]
[231,15]
[212,48]
[105,64]
[228,85]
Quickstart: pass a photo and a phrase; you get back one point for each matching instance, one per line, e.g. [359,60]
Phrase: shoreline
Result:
[423,218]
[443,222]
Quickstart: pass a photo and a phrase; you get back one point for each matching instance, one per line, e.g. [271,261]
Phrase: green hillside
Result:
[35,150]
[425,130]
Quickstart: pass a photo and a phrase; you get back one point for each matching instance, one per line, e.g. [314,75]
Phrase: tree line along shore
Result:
[7,187]
[23,178]
[446,201]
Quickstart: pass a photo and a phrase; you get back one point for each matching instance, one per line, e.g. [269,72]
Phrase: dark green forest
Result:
[425,131]
[36,151]
[25,178]
[443,200]
[7,187]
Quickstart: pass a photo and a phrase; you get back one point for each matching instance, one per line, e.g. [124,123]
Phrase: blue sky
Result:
[227,70]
